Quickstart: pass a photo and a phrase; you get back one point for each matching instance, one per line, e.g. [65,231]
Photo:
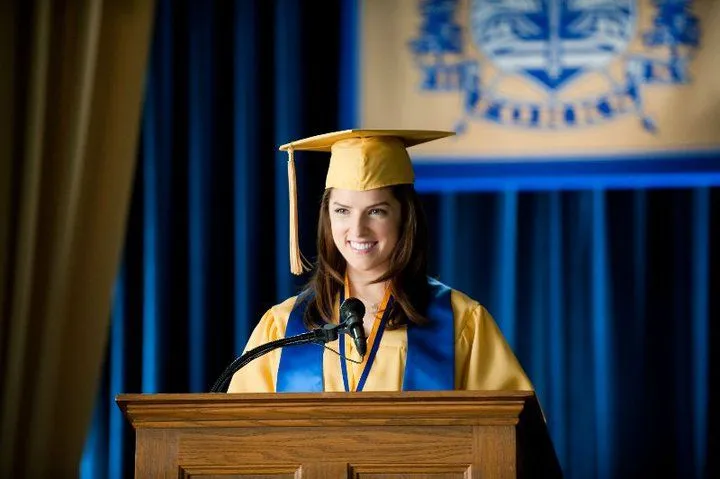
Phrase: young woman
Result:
[372,245]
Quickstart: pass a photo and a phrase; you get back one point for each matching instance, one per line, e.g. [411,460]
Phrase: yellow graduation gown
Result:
[483,358]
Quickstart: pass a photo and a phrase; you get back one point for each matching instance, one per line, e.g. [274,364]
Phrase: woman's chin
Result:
[366,267]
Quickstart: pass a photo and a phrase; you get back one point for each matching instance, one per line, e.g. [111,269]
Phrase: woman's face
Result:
[365,228]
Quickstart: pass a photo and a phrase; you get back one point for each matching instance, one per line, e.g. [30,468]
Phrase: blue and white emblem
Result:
[552,41]
[584,62]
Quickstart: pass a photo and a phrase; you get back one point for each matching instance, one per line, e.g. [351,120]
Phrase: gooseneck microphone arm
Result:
[351,313]
[321,336]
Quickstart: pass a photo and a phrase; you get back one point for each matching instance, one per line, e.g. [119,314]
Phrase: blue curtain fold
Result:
[609,308]
[605,295]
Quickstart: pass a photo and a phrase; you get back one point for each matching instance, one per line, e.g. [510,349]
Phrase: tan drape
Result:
[71,92]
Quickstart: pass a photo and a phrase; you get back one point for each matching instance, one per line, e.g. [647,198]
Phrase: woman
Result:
[372,245]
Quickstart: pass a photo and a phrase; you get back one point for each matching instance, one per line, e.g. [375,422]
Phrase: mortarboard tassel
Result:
[298,264]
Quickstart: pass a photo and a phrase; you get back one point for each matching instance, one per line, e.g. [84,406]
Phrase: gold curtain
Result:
[71,92]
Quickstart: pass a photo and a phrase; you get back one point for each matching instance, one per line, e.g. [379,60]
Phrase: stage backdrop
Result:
[543,92]
[606,295]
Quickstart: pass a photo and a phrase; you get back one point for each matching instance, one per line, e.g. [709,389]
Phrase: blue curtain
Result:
[606,296]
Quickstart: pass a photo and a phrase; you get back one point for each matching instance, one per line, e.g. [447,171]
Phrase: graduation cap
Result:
[360,160]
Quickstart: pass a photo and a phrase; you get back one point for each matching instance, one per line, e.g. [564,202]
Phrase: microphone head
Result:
[361,344]
[352,311]
[352,307]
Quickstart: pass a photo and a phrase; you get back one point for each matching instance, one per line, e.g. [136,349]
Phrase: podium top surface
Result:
[247,409]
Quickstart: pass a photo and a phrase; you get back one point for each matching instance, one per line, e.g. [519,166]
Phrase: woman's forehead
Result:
[362,198]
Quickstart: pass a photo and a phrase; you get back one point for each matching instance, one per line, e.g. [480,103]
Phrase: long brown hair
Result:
[407,273]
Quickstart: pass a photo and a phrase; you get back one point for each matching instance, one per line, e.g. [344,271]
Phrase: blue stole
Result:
[430,361]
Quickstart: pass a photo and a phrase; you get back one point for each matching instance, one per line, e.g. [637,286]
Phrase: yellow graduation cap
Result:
[360,160]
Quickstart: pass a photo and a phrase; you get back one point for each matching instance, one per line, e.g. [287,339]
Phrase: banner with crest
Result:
[537,81]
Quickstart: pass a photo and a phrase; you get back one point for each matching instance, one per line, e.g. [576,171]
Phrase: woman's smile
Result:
[362,247]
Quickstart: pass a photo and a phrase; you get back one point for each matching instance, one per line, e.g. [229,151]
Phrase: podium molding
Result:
[458,434]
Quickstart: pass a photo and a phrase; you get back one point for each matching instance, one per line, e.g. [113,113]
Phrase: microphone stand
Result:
[320,336]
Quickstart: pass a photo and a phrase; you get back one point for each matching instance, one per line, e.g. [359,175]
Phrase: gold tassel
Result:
[298,264]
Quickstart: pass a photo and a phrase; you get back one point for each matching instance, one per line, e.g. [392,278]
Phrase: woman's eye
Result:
[341,211]
[377,212]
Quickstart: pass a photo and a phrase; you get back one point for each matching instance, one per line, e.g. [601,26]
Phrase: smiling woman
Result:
[372,245]
[365,227]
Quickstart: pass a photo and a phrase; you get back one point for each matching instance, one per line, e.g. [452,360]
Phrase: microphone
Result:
[351,313]
[351,318]
[321,336]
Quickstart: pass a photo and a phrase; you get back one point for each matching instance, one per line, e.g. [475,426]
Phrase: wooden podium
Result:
[458,434]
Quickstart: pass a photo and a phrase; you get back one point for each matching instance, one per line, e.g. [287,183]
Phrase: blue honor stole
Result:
[430,361]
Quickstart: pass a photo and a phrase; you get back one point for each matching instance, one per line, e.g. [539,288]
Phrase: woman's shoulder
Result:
[468,311]
[284,307]
[276,316]
[462,303]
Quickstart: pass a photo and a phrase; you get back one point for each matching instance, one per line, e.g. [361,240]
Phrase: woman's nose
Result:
[359,226]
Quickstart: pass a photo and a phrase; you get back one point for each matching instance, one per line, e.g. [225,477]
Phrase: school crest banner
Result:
[623,86]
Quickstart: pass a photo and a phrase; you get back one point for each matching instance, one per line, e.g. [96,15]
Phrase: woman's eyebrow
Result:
[382,203]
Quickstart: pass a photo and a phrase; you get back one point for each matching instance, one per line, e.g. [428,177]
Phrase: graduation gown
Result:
[483,359]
